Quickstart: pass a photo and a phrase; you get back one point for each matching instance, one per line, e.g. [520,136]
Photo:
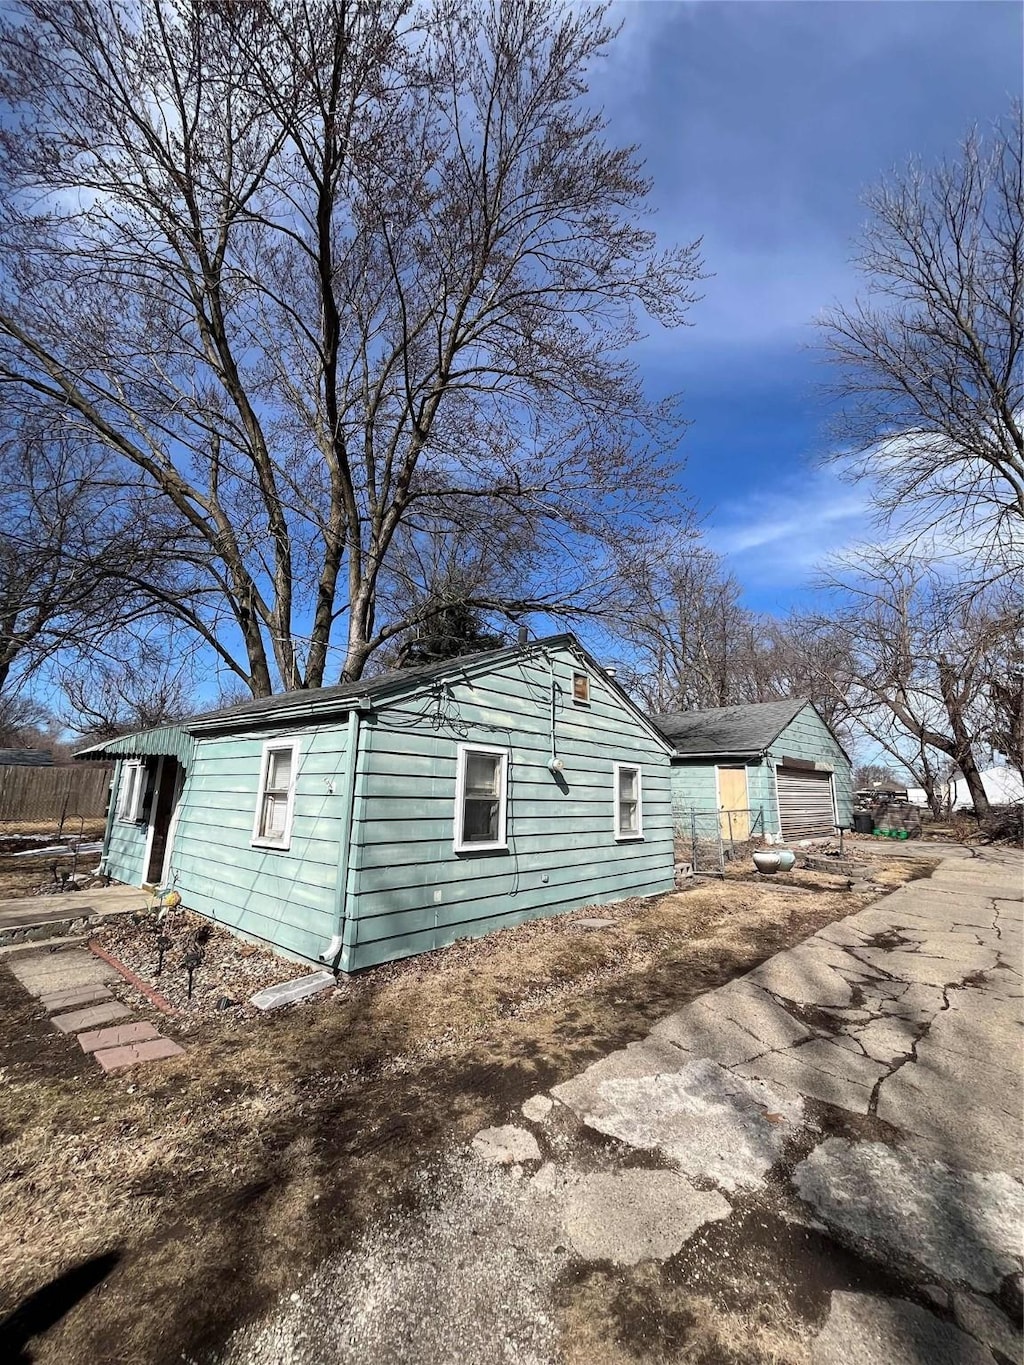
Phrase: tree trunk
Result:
[975,786]
[933,796]
[963,747]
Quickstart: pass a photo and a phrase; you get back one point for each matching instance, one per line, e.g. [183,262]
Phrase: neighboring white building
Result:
[1003,787]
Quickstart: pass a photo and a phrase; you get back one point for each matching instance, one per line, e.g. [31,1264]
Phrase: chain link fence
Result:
[707,839]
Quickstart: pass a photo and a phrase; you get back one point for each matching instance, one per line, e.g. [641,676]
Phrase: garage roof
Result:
[730,730]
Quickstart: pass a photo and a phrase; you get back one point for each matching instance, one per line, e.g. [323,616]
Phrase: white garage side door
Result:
[805,804]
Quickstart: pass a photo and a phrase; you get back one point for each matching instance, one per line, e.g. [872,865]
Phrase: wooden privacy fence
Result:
[54,793]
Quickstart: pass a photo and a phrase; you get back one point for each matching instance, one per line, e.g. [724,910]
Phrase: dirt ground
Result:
[145,1215]
[23,873]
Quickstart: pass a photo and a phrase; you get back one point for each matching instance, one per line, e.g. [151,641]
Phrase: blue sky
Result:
[762,122]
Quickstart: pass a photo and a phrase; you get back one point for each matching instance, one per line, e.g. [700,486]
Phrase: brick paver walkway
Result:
[71,985]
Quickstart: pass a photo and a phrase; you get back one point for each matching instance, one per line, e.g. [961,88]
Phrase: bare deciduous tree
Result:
[69,548]
[691,643]
[680,617]
[931,361]
[24,723]
[1006,700]
[319,273]
[923,651]
[148,686]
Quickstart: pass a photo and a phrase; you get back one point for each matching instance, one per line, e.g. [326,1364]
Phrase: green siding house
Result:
[774,768]
[370,821]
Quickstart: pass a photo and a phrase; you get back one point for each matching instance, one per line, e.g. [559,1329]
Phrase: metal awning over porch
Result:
[169,741]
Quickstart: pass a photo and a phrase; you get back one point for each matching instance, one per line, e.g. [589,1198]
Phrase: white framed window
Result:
[129,796]
[481,798]
[581,689]
[628,801]
[272,827]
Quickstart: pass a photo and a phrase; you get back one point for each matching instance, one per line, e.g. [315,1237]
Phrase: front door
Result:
[163,805]
[733,804]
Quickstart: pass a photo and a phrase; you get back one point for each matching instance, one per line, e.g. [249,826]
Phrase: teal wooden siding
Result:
[407,891]
[761,792]
[125,852]
[411,892]
[284,896]
[694,788]
[807,736]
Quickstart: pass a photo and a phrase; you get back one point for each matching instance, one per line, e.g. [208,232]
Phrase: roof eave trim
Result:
[720,753]
[337,706]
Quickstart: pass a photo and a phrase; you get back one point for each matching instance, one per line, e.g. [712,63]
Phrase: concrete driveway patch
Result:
[960,1226]
[506,1146]
[987,1323]
[931,971]
[941,1125]
[704,1030]
[536,1108]
[801,975]
[882,1056]
[751,1007]
[709,1122]
[832,1074]
[863,1329]
[846,933]
[885,1040]
[917,1002]
[651,1057]
[634,1215]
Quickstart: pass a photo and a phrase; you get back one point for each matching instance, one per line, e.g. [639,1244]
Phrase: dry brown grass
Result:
[224,1175]
[892,875]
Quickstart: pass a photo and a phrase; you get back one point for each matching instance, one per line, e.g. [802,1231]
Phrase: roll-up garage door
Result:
[805,803]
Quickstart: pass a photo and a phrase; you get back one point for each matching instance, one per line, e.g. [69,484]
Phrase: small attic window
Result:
[581,689]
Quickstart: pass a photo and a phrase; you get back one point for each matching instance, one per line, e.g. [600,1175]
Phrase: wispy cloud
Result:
[776,537]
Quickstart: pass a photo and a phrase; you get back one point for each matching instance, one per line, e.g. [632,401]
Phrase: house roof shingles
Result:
[371,688]
[299,705]
[729,730]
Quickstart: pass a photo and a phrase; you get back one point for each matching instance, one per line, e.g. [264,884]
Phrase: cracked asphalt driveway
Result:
[820,1162]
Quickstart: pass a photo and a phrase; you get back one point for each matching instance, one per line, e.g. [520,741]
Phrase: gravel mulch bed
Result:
[230,973]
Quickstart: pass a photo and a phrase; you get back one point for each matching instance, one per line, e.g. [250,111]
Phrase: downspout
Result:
[332,953]
[555,764]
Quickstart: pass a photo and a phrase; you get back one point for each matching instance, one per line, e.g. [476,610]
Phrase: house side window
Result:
[276,798]
[481,798]
[133,783]
[628,799]
[581,689]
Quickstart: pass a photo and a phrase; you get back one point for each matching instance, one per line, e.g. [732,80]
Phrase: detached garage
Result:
[774,767]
